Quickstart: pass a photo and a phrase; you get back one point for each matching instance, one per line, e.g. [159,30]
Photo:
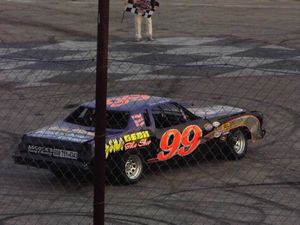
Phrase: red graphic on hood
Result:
[124,100]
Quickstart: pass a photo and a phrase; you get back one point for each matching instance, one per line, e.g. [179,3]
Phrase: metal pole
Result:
[101,94]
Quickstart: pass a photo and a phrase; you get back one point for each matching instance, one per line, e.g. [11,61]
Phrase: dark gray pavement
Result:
[165,58]
[231,53]
[275,21]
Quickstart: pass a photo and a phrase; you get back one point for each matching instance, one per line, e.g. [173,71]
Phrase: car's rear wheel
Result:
[57,172]
[68,173]
[237,145]
[128,169]
[133,168]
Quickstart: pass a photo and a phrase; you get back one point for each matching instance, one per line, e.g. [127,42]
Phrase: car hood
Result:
[216,111]
[65,132]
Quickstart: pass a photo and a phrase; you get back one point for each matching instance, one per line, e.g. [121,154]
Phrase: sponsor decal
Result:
[129,141]
[208,126]
[223,138]
[217,134]
[216,124]
[71,131]
[135,144]
[136,136]
[173,142]
[64,133]
[138,119]
[114,145]
[124,100]
[248,121]
[153,160]
[60,153]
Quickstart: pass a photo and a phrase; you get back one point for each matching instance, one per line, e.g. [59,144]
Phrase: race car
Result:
[141,130]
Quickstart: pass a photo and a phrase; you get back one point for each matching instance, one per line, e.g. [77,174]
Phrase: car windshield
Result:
[85,116]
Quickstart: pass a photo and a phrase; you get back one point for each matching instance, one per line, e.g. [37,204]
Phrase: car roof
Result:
[130,102]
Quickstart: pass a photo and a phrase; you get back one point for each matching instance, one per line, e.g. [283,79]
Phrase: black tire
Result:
[237,145]
[66,173]
[129,169]
[62,173]
[57,172]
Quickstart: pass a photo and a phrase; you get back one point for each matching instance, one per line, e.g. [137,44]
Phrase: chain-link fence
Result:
[199,131]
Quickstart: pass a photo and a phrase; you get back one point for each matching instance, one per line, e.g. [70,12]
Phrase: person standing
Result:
[143,10]
[138,20]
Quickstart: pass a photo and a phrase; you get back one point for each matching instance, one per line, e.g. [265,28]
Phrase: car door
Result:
[175,131]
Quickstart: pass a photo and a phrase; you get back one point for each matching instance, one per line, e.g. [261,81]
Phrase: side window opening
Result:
[147,118]
[159,118]
[117,119]
[174,114]
[82,116]
[85,116]
[188,115]
[168,115]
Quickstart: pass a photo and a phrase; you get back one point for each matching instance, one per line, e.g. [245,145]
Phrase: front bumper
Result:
[263,133]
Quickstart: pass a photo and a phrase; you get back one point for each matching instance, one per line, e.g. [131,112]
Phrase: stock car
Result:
[141,130]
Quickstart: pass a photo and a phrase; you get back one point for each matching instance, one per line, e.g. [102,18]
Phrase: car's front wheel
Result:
[236,145]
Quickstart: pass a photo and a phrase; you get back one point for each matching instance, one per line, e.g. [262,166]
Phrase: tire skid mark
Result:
[293,185]
[44,213]
[264,200]
[114,217]
[221,220]
[151,219]
[229,189]
[228,186]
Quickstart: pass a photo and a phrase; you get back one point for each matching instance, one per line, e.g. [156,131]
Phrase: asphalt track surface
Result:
[42,81]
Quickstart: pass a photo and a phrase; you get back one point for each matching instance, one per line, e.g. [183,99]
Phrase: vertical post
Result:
[101,94]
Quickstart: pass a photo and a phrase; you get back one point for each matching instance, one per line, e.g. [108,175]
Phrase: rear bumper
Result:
[23,158]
